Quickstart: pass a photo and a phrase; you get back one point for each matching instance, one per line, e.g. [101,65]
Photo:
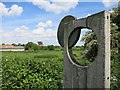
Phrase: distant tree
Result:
[19,44]
[14,44]
[78,46]
[3,43]
[57,46]
[51,47]
[31,46]
[22,44]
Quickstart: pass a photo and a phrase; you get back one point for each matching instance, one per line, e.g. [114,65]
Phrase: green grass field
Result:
[36,69]
[40,69]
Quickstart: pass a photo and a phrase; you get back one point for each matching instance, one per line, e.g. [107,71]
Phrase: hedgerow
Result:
[28,73]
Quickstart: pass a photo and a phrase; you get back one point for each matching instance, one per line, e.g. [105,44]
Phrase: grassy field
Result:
[36,69]
[40,69]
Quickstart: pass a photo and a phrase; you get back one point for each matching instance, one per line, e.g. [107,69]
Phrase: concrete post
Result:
[96,75]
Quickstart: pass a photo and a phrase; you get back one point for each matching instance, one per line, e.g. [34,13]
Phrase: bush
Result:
[51,47]
[22,70]
[115,72]
[30,46]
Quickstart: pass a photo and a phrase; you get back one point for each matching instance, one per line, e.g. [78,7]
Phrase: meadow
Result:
[38,69]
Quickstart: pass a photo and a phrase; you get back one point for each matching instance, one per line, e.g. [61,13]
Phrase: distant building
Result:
[11,48]
[40,43]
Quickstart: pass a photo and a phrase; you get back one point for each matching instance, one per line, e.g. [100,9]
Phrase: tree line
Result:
[30,46]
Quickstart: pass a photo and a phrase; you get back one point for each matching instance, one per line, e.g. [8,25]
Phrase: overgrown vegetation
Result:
[32,70]
[115,72]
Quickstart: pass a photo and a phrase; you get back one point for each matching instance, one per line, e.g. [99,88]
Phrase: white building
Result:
[11,48]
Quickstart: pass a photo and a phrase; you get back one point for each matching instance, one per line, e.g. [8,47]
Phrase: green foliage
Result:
[114,36]
[89,38]
[92,52]
[115,18]
[51,47]
[31,46]
[79,53]
[115,72]
[114,15]
[28,70]
[115,52]
[91,45]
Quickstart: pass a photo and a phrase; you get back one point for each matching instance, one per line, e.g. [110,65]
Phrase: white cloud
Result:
[39,31]
[111,11]
[44,25]
[44,33]
[88,15]
[108,3]
[24,34]
[56,7]
[21,29]
[3,10]
[1,30]
[13,10]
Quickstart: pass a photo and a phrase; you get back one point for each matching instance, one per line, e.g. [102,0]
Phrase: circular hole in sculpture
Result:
[85,51]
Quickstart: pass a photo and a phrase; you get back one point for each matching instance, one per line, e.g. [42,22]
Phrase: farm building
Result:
[11,48]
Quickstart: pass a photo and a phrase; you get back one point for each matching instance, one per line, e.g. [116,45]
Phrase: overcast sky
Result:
[38,20]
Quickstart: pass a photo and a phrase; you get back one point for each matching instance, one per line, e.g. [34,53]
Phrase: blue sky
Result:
[29,21]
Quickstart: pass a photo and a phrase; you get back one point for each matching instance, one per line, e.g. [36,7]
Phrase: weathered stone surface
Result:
[96,75]
[73,37]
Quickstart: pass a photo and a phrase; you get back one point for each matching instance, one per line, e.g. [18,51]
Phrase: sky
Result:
[38,20]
